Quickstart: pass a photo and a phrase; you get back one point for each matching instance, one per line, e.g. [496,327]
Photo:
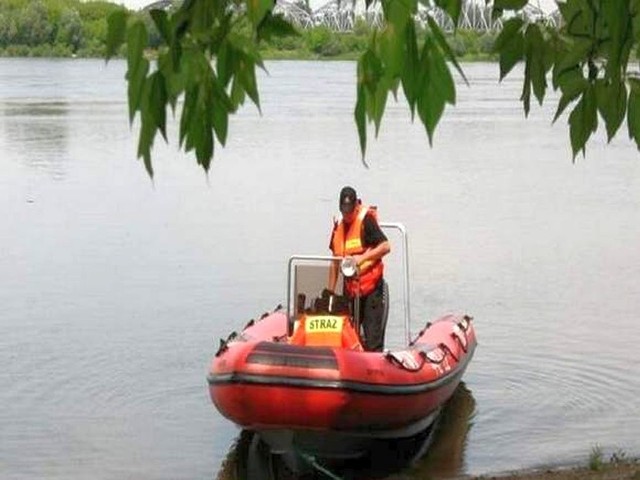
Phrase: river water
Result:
[115,289]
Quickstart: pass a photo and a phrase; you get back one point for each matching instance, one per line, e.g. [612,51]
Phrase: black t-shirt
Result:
[373,234]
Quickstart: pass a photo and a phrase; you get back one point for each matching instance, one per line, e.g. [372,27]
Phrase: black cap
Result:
[348,199]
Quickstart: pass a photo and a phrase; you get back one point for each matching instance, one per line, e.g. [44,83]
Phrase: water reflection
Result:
[444,457]
[37,133]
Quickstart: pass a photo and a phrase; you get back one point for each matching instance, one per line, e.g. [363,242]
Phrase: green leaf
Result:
[202,16]
[220,108]
[117,27]
[433,92]
[583,121]
[273,26]
[174,78]
[257,9]
[391,48]
[510,29]
[535,54]
[576,52]
[360,117]
[509,4]
[145,142]
[526,90]
[135,88]
[246,75]
[138,66]
[611,98]
[411,72]
[452,7]
[204,146]
[510,45]
[444,46]
[619,27]
[161,21]
[188,114]
[399,12]
[564,102]
[380,101]
[370,71]
[430,109]
[572,84]
[635,20]
[633,112]
[237,93]
[441,78]
[220,123]
[157,102]
[578,17]
[225,63]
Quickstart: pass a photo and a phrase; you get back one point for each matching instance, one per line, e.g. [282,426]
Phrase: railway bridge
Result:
[341,15]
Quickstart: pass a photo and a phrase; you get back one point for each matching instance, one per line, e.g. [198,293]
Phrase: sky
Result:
[136,4]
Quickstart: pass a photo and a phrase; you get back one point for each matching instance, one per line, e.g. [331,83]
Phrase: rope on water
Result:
[312,461]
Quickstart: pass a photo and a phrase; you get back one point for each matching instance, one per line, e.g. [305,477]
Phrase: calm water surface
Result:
[115,289]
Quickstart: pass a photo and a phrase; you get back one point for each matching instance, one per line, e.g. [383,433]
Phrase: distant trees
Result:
[74,27]
[54,27]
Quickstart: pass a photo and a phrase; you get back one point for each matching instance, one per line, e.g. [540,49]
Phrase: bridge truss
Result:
[341,15]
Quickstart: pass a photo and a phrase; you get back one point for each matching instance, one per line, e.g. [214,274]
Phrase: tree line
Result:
[65,28]
[55,28]
[321,42]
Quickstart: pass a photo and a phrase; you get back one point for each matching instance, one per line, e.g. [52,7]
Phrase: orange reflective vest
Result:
[326,331]
[350,243]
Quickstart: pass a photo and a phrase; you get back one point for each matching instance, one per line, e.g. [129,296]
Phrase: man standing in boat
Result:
[359,236]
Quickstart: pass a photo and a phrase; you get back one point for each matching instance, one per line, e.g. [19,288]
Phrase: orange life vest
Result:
[325,331]
[350,243]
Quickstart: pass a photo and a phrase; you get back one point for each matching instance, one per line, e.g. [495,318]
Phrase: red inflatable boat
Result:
[303,382]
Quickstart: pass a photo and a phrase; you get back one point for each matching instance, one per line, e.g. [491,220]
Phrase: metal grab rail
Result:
[326,258]
[405,267]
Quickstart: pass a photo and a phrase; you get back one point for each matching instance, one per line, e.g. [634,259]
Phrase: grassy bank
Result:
[609,472]
[321,43]
[617,467]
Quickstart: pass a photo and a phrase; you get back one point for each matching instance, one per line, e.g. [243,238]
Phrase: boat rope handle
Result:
[457,335]
[391,356]
[222,348]
[446,348]
[437,360]
[415,340]
[224,344]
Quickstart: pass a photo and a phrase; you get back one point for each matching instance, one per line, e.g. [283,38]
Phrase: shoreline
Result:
[266,57]
[615,470]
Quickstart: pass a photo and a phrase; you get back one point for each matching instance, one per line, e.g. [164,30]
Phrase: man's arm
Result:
[376,241]
[373,254]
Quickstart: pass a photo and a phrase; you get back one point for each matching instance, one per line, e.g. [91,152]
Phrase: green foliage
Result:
[53,27]
[324,42]
[596,459]
[588,60]
[207,53]
[69,31]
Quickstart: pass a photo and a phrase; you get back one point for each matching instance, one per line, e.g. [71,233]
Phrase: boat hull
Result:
[332,402]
